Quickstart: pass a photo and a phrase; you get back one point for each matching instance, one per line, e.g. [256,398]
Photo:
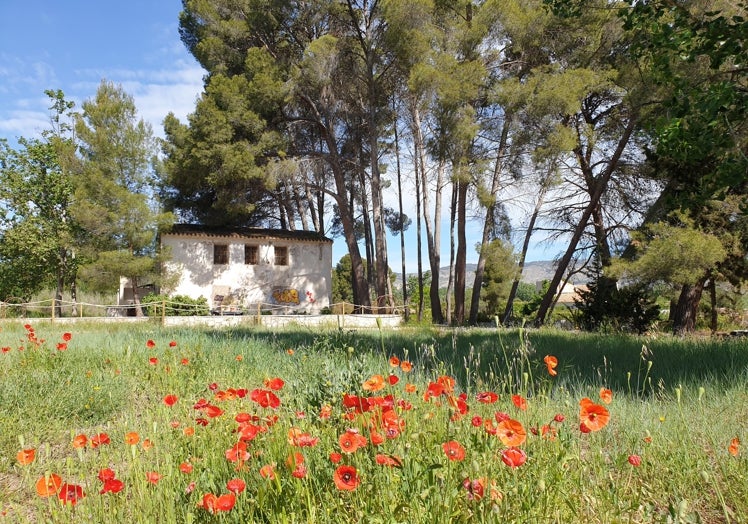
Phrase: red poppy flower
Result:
[453,450]
[26,456]
[48,485]
[170,400]
[394,361]
[153,477]
[511,432]
[635,460]
[558,418]
[101,439]
[172,343]
[265,398]
[276,384]
[513,457]
[335,457]
[447,382]
[606,395]
[150,343]
[213,504]
[61,346]
[70,494]
[153,361]
[66,337]
[351,440]
[112,486]
[393,379]
[594,416]
[346,478]
[213,411]
[80,441]
[226,502]
[186,468]
[734,447]
[501,416]
[373,383]
[520,402]
[476,421]
[406,366]
[237,452]
[132,438]
[474,488]
[434,389]
[551,362]
[294,460]
[236,485]
[106,474]
[268,471]
[185,362]
[389,460]
[487,397]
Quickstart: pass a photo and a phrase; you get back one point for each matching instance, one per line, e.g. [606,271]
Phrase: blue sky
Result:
[73,45]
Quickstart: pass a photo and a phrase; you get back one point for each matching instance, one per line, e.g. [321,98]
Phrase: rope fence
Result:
[52,309]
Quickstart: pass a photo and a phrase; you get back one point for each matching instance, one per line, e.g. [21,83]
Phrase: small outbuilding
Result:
[245,269]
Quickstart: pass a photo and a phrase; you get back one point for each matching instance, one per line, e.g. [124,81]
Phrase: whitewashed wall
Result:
[309,270]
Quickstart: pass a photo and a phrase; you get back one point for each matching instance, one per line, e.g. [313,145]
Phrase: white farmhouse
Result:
[243,269]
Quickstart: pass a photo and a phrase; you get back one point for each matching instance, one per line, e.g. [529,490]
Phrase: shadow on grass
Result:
[484,356]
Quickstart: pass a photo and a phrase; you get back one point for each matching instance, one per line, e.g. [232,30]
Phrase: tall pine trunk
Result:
[687,307]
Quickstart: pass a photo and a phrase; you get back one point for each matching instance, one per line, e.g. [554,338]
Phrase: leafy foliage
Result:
[608,306]
[175,305]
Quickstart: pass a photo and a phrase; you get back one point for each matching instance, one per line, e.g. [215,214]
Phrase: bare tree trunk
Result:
[509,309]
[61,271]
[600,186]
[450,279]
[461,260]
[419,242]
[714,321]
[686,309]
[359,284]
[402,228]
[301,209]
[488,225]
[432,232]
[136,297]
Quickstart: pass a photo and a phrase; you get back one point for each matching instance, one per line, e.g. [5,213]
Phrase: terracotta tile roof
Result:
[195,230]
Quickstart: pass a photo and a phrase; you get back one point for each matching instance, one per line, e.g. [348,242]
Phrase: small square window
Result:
[250,255]
[281,256]
[220,254]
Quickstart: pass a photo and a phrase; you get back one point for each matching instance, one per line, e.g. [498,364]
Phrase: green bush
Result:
[176,306]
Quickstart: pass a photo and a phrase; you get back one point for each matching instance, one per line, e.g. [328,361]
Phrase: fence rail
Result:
[54,309]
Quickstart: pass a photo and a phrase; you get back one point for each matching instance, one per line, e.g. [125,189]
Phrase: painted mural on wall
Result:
[286,296]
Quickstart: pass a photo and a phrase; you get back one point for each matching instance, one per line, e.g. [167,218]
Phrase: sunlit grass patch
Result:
[150,424]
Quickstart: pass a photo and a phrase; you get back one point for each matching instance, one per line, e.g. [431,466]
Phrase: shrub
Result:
[176,306]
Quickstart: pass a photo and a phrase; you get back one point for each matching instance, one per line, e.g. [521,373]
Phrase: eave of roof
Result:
[198,230]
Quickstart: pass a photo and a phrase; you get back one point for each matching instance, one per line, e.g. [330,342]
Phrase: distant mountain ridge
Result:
[533,272]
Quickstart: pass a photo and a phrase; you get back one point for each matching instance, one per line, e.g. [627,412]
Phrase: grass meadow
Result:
[142,423]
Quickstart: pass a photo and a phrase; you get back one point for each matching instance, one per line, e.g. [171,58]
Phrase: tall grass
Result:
[677,404]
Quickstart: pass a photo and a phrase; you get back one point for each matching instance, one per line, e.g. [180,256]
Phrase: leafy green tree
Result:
[680,255]
[222,167]
[115,202]
[693,52]
[607,305]
[298,54]
[36,229]
[500,271]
